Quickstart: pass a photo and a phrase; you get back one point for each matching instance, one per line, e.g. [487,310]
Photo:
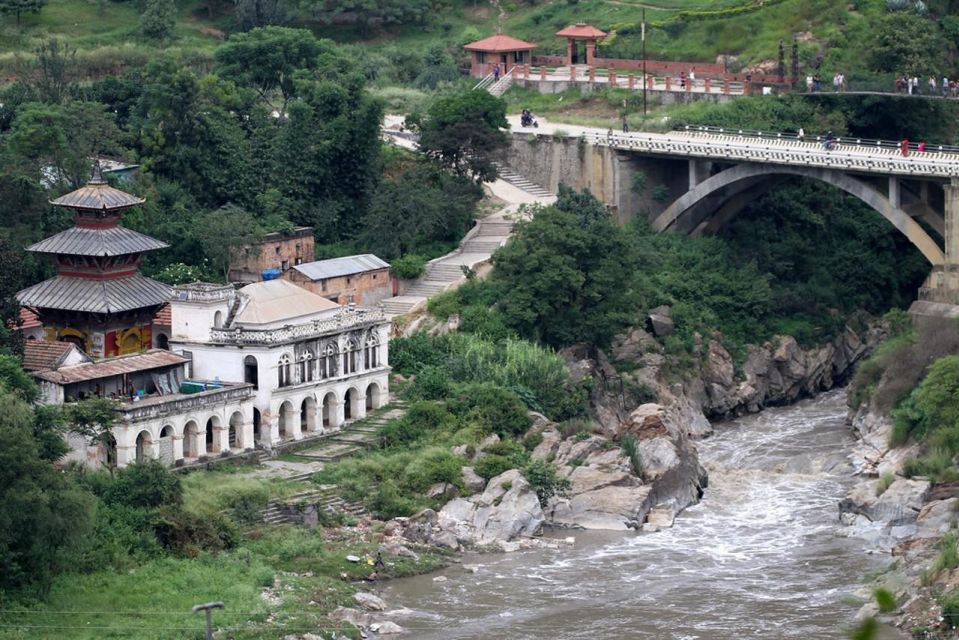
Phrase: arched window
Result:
[328,361]
[284,371]
[218,319]
[251,373]
[349,360]
[306,366]
[371,352]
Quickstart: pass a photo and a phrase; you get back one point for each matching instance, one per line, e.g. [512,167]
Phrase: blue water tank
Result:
[270,274]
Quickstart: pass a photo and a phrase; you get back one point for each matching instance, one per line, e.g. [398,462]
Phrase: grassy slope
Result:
[752,36]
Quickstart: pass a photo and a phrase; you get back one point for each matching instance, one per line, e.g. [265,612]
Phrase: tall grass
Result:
[631,449]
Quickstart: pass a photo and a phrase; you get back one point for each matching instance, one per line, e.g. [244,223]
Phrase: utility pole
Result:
[207,608]
[643,31]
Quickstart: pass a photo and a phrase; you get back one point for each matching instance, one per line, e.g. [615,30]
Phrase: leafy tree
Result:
[11,280]
[158,20]
[17,7]
[567,273]
[906,43]
[224,231]
[258,13]
[59,139]
[464,131]
[43,514]
[15,381]
[267,58]
[53,72]
[91,418]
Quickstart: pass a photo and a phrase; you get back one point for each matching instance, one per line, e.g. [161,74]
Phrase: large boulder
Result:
[898,505]
[370,602]
[506,510]
[609,507]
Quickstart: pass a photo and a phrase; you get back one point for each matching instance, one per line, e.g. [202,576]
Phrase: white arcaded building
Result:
[162,413]
[313,364]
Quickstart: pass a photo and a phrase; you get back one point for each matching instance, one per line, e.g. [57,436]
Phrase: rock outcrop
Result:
[508,509]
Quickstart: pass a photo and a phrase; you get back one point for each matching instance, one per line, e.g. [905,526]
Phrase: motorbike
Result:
[527,120]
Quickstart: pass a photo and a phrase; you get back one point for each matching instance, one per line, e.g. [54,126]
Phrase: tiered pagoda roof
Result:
[97,259]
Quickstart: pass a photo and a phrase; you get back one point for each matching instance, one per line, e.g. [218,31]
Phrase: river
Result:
[761,556]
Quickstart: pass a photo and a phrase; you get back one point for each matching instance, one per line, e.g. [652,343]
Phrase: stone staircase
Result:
[353,438]
[324,497]
[521,182]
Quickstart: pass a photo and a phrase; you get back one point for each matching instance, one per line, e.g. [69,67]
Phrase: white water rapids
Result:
[762,556]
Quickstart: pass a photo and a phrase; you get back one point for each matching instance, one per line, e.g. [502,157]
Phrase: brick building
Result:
[362,279]
[277,251]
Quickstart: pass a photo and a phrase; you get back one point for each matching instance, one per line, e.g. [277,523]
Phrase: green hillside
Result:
[832,35]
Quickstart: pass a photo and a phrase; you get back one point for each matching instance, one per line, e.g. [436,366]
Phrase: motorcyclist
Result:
[830,142]
[527,120]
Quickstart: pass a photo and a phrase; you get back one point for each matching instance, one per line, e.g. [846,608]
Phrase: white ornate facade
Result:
[314,364]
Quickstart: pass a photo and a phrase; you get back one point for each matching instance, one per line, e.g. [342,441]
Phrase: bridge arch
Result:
[739,178]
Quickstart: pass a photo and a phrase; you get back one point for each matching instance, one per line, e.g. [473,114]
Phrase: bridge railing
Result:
[779,135]
[783,151]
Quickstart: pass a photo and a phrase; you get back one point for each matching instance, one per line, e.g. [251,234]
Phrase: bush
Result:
[493,408]
[490,466]
[885,599]
[631,449]
[409,266]
[885,481]
[431,383]
[423,418]
[144,485]
[949,602]
[430,467]
[186,533]
[543,479]
[389,503]
[931,406]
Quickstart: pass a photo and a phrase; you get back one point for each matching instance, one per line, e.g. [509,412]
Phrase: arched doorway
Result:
[373,396]
[109,449]
[166,444]
[144,446]
[257,422]
[251,373]
[351,408]
[218,319]
[235,434]
[191,440]
[329,410]
[308,415]
[212,442]
[287,417]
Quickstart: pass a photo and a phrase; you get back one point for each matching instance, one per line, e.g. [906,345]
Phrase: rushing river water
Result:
[762,556]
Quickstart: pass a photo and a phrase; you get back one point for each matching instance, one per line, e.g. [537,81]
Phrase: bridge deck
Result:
[848,156]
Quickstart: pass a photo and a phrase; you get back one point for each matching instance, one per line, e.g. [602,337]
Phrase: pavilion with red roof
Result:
[581,32]
[499,49]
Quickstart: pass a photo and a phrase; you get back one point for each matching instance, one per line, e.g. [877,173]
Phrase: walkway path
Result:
[489,234]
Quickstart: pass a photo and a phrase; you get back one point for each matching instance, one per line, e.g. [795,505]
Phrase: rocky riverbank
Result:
[636,465]
[907,518]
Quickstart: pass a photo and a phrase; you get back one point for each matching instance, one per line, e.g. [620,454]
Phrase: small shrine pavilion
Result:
[499,49]
[98,300]
[581,33]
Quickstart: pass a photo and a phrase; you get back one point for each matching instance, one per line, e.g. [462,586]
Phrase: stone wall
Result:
[609,174]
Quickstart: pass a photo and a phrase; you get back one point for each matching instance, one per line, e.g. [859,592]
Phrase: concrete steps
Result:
[426,288]
[480,246]
[396,307]
[324,497]
[521,182]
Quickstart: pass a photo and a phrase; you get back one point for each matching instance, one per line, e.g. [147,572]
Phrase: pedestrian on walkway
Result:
[692,79]
[932,86]
[842,83]
[945,86]
[625,124]
[915,86]
[904,147]
[808,84]
[496,72]
[835,83]
[801,135]
[682,79]
[921,147]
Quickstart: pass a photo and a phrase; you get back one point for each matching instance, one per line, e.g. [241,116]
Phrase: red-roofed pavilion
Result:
[499,49]
[581,32]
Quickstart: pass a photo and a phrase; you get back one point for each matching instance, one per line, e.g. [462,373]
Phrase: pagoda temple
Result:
[98,300]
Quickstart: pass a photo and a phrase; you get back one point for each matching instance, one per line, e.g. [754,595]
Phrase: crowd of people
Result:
[913,86]
[814,83]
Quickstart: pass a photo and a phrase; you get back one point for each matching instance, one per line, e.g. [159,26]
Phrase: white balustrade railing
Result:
[343,320]
[848,156]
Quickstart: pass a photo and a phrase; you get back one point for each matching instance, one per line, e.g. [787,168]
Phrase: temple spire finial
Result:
[97,177]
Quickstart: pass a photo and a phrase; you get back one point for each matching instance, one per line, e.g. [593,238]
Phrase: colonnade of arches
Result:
[310,414]
[188,441]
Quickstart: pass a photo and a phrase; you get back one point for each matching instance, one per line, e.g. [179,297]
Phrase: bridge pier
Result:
[939,295]
[894,195]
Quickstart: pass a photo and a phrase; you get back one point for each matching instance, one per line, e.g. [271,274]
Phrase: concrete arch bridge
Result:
[698,179]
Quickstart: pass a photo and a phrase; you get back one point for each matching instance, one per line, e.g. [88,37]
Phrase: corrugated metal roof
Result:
[112,241]
[278,301]
[153,359]
[40,355]
[95,296]
[322,269]
[499,43]
[99,196]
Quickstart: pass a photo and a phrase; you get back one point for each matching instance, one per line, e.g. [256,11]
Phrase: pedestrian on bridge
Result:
[801,135]
[625,124]
[904,147]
